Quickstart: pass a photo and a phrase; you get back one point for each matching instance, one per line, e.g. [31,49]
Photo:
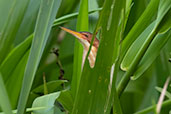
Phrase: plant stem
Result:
[146,110]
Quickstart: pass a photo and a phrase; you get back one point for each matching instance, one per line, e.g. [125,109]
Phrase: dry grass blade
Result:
[159,104]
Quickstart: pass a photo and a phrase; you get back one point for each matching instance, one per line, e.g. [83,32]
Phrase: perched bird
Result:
[85,39]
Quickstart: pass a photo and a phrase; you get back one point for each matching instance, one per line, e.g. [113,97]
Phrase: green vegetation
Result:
[41,66]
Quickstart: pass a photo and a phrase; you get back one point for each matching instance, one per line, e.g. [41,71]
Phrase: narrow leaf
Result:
[11,26]
[4,100]
[44,23]
[82,25]
[14,57]
[139,26]
[52,85]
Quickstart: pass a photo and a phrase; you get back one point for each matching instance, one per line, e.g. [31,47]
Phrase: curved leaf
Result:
[14,57]
[140,25]
[46,101]
[152,53]
[134,48]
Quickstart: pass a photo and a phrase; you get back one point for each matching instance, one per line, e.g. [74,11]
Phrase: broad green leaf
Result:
[140,25]
[46,101]
[4,100]
[11,26]
[44,23]
[82,25]
[66,100]
[14,57]
[96,87]
[51,86]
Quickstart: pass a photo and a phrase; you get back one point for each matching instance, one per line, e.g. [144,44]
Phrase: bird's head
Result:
[83,37]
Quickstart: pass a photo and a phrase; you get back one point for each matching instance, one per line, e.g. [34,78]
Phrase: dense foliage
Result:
[41,66]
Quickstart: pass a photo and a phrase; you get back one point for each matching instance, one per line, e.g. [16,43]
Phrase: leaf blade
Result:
[44,23]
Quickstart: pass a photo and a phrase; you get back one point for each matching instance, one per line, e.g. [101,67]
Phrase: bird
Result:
[85,39]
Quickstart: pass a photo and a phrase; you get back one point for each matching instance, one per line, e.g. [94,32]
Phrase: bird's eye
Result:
[85,35]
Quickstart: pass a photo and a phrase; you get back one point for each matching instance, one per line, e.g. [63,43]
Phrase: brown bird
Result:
[85,39]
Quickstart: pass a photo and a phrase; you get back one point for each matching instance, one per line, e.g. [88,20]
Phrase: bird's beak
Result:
[74,33]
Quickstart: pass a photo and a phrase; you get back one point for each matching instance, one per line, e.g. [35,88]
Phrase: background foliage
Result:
[132,64]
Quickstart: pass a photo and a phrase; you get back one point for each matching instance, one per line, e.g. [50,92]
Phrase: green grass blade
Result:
[125,80]
[4,100]
[29,19]
[168,94]
[82,25]
[136,45]
[11,26]
[152,108]
[96,87]
[13,68]
[14,58]
[5,6]
[52,85]
[44,23]
[166,22]
[152,53]
[68,17]
[16,79]
[140,25]
[27,110]
[164,7]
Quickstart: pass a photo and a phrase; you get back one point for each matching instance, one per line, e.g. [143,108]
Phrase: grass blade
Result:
[4,101]
[139,27]
[82,25]
[161,14]
[14,58]
[11,26]
[44,23]
[16,79]
[152,53]
[68,17]
[151,108]
[29,19]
